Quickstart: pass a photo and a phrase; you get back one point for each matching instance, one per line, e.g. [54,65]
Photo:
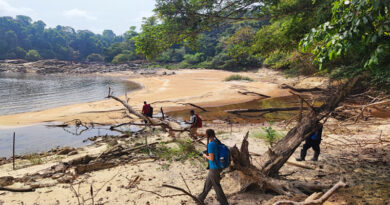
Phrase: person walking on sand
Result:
[313,141]
[196,122]
[146,110]
[214,176]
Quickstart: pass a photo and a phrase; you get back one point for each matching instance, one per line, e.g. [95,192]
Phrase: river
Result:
[20,92]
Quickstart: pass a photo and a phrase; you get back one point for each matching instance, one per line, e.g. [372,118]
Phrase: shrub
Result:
[238,77]
[33,55]
[124,57]
[193,59]
[94,57]
[270,135]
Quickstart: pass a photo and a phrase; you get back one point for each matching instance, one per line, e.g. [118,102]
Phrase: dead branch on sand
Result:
[185,192]
[313,199]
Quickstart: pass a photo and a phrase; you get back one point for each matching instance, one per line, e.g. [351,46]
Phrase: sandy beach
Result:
[135,180]
[202,87]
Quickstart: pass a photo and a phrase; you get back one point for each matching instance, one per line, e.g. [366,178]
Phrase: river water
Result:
[31,92]
[20,92]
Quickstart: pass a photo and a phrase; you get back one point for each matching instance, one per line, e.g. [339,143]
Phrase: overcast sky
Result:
[93,15]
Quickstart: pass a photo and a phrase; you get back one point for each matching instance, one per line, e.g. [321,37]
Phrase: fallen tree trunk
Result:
[276,109]
[29,189]
[254,93]
[313,199]
[151,121]
[301,90]
[275,158]
[193,105]
[271,162]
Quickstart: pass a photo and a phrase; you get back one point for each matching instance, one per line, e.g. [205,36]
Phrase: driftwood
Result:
[254,93]
[301,90]
[313,199]
[268,110]
[193,105]
[151,121]
[29,189]
[299,165]
[185,192]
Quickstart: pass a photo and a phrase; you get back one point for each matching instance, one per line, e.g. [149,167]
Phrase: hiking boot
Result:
[299,159]
[315,157]
[303,155]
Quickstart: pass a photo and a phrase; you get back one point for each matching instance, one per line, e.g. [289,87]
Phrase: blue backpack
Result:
[223,158]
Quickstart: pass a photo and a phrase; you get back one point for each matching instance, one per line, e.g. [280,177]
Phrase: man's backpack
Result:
[150,111]
[199,122]
[223,159]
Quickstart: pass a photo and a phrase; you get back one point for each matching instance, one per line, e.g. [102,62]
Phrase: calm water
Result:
[39,138]
[31,92]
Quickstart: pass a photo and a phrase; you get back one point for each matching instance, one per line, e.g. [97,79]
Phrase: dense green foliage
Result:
[340,37]
[22,38]
[356,39]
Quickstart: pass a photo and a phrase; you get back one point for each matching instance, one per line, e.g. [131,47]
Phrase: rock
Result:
[60,167]
[108,188]
[65,150]
[94,166]
[28,179]
[82,160]
[112,142]
[5,181]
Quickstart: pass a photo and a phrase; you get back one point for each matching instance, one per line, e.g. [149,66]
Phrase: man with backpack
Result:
[218,156]
[313,141]
[147,110]
[196,122]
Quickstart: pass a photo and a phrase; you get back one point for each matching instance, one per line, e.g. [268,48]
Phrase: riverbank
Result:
[167,89]
[136,178]
[120,172]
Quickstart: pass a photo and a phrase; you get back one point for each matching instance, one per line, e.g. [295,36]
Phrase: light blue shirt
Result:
[213,148]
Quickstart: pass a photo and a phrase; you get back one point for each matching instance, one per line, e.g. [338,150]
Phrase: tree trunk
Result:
[275,157]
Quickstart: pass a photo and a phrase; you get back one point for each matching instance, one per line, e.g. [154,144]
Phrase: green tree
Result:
[94,57]
[356,39]
[33,55]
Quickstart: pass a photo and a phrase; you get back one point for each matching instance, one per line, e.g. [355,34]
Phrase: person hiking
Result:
[196,122]
[313,141]
[214,176]
[146,110]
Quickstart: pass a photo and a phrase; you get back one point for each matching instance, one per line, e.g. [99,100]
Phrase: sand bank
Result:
[202,87]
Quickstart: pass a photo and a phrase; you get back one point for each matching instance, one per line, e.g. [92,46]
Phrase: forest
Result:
[299,36]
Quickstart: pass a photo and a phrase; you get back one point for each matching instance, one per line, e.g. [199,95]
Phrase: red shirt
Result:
[145,109]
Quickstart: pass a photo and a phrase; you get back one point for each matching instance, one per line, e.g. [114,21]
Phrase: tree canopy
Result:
[21,38]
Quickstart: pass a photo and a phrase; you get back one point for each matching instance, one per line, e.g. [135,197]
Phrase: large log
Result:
[277,156]
[275,109]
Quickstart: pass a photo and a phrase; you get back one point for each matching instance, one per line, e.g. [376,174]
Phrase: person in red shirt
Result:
[146,109]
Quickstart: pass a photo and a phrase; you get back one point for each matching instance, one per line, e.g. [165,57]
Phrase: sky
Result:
[93,15]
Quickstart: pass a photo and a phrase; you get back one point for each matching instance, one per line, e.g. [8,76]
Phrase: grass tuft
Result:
[238,77]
